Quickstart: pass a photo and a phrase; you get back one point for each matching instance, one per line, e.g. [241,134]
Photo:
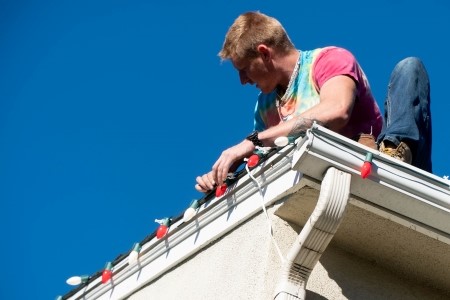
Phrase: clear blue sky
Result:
[110,109]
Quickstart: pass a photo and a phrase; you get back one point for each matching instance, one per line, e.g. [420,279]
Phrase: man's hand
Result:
[228,159]
[205,183]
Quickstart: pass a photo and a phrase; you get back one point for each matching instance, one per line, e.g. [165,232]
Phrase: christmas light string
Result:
[164,224]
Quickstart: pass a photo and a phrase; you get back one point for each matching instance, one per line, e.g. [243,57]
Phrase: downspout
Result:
[315,235]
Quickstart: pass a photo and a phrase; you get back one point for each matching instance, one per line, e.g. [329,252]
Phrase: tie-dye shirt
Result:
[316,67]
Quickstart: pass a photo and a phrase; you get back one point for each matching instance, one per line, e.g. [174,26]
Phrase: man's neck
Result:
[287,69]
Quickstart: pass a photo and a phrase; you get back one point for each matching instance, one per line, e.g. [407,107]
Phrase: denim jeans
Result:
[407,115]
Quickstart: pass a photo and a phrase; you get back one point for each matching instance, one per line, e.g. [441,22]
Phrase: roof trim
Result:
[410,192]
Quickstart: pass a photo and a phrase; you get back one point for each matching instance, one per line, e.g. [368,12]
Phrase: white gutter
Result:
[394,186]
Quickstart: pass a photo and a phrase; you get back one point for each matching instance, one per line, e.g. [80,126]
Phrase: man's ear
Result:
[264,52]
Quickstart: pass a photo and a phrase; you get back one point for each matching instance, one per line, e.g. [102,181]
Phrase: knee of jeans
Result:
[410,63]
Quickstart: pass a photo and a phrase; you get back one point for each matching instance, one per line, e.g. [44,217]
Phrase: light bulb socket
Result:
[165,221]
[194,204]
[136,247]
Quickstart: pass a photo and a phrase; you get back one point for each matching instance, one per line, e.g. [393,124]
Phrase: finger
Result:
[205,182]
[211,179]
[218,174]
[223,171]
[214,175]
[220,177]
[200,189]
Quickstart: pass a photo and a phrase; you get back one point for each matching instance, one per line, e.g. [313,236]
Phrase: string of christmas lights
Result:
[189,214]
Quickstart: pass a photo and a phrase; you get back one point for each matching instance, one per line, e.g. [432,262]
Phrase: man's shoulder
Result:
[334,54]
[327,51]
[333,50]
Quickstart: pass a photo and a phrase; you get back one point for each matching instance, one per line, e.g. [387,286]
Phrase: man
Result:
[324,85]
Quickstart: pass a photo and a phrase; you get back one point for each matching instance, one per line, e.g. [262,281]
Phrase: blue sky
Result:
[110,109]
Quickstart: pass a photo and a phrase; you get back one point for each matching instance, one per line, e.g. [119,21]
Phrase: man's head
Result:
[250,30]
[256,45]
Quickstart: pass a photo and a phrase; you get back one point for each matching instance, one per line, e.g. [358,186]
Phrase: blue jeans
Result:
[407,115]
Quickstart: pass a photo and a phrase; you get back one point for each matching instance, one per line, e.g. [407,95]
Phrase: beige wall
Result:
[245,265]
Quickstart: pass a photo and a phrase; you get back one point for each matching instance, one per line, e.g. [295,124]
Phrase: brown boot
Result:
[368,140]
[401,152]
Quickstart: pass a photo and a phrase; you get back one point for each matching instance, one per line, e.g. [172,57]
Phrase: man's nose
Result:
[243,77]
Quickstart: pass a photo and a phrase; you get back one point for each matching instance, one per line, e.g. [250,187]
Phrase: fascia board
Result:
[393,185]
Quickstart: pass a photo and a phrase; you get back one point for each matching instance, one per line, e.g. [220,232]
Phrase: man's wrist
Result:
[253,137]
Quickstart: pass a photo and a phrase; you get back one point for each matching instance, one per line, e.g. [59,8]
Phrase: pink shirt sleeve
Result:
[334,61]
[366,116]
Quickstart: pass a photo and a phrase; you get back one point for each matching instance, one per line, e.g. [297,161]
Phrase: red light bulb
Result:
[253,160]
[221,189]
[161,231]
[163,227]
[107,273]
[366,168]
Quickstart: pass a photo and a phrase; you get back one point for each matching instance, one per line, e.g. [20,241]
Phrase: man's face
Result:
[254,71]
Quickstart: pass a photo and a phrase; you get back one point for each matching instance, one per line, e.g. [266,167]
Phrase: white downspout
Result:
[315,235]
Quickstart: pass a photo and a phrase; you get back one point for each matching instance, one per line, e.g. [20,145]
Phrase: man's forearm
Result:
[300,125]
[294,127]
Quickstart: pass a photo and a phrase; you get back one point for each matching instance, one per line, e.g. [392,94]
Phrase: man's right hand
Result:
[205,183]
[228,160]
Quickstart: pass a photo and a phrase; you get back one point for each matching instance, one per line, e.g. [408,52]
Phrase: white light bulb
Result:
[74,280]
[189,214]
[133,257]
[281,141]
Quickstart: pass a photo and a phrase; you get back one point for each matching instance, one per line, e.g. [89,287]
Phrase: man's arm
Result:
[337,96]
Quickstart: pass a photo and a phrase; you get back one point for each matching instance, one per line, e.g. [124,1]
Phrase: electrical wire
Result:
[265,212]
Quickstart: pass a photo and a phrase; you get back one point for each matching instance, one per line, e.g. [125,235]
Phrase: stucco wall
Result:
[245,265]
[241,265]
